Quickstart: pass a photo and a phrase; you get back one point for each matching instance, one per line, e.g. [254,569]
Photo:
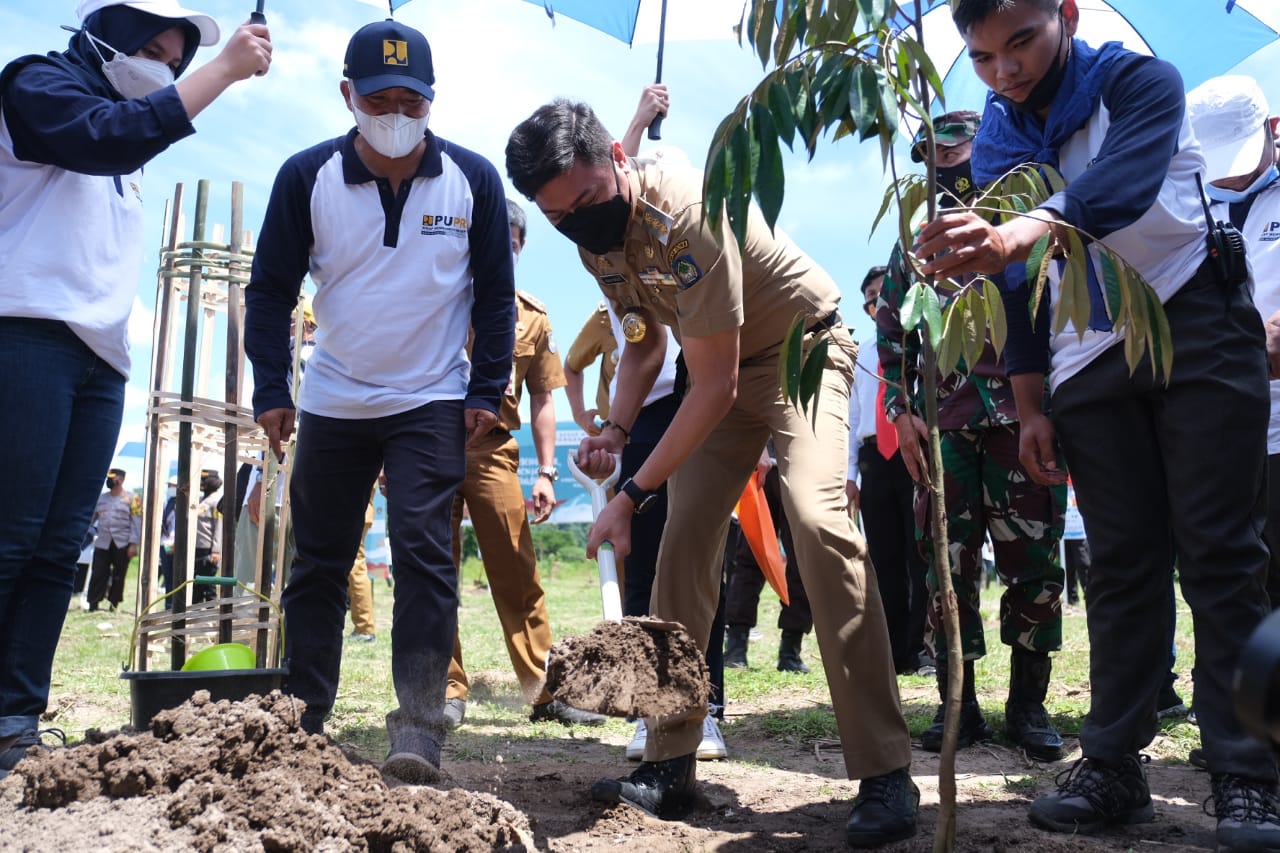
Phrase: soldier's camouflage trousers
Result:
[986,489]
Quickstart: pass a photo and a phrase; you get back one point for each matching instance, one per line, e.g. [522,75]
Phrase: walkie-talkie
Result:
[1226,246]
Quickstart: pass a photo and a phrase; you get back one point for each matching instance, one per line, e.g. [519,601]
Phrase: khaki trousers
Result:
[359,589]
[496,502]
[832,556]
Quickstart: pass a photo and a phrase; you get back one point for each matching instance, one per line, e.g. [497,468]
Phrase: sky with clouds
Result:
[495,61]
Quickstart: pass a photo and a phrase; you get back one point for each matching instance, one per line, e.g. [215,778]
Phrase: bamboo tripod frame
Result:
[199,282]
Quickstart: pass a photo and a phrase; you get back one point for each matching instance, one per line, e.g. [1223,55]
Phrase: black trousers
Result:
[746,580]
[1164,471]
[106,580]
[888,496]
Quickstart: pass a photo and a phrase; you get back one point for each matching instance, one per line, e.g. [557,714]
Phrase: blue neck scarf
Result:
[1009,138]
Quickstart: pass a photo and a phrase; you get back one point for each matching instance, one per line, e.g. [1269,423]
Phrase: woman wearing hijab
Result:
[76,128]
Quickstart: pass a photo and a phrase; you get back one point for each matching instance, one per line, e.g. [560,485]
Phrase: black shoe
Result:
[884,811]
[1092,795]
[1247,814]
[17,750]
[558,712]
[1169,703]
[660,788]
[789,653]
[1196,758]
[973,728]
[1028,726]
[735,647]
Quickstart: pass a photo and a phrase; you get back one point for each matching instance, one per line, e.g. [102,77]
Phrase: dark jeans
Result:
[646,535]
[887,501]
[61,407]
[1077,569]
[106,578]
[1164,471]
[335,465]
[746,580]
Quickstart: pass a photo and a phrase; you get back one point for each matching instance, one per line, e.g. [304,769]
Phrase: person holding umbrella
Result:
[641,235]
[1163,465]
[76,128]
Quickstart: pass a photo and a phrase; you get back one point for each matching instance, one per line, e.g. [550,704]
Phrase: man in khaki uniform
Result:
[360,591]
[641,234]
[593,341]
[495,500]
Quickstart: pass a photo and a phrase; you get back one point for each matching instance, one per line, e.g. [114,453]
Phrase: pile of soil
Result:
[243,775]
[638,667]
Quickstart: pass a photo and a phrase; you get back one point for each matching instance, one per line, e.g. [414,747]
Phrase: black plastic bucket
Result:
[151,692]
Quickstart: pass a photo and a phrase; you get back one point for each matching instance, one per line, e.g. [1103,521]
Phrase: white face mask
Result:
[392,135]
[132,76]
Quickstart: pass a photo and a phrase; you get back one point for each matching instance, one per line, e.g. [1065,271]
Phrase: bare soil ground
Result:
[241,776]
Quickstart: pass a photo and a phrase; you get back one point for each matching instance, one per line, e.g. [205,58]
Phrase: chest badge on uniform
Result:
[654,277]
[686,269]
[634,326]
[656,222]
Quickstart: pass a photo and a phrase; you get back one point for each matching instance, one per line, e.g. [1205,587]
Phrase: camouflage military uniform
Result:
[985,488]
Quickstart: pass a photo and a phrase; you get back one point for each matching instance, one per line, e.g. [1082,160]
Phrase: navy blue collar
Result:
[354,170]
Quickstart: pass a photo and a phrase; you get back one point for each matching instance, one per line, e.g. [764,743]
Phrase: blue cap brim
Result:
[378,82]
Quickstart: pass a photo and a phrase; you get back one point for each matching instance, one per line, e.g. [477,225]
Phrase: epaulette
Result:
[531,301]
[655,221]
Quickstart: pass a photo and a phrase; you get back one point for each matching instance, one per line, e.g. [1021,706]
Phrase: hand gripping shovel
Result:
[633,667]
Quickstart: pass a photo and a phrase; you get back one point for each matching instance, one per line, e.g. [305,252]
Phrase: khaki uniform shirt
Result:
[534,362]
[595,340]
[671,263]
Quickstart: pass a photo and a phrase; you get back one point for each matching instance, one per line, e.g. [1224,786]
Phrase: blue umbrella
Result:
[1203,38]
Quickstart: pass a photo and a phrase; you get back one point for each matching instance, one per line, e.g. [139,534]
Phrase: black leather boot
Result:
[735,646]
[973,728]
[789,652]
[1026,722]
[660,788]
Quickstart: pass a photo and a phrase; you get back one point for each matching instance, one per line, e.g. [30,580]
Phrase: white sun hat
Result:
[207,26]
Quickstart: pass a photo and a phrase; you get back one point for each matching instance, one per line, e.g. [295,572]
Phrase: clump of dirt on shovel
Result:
[237,772]
[638,667]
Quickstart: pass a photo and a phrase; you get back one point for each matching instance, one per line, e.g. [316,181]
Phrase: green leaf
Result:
[873,12]
[834,92]
[1035,260]
[996,319]
[1111,287]
[890,193]
[932,316]
[1161,338]
[811,373]
[790,361]
[746,155]
[950,349]
[864,101]
[784,116]
[973,298]
[912,307]
[770,174]
[1075,277]
[926,66]
[766,15]
[1056,182]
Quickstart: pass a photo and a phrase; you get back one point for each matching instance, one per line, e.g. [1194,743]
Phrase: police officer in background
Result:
[641,234]
[119,524]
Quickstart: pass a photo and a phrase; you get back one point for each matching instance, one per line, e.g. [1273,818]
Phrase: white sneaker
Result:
[635,749]
[712,747]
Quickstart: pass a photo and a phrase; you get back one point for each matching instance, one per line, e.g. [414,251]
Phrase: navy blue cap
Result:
[388,53]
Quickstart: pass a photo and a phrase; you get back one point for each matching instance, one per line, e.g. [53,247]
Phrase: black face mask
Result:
[1043,92]
[955,181]
[598,227]
[112,482]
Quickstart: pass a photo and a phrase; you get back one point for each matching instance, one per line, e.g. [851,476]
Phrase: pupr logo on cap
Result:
[395,52]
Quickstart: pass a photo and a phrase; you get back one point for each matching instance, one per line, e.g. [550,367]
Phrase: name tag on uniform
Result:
[613,278]
[655,277]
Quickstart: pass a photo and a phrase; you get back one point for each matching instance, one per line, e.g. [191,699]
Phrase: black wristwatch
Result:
[642,499]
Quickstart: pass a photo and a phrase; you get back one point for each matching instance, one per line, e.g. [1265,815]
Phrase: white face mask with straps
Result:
[392,135]
[132,76]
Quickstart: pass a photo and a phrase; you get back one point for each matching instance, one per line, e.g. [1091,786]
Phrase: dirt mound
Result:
[633,668]
[243,773]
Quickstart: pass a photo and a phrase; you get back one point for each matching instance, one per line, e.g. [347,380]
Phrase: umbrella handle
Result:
[655,127]
[256,16]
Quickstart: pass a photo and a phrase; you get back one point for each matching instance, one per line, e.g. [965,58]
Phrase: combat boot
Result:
[973,728]
[789,652]
[660,788]
[735,646]
[1026,722]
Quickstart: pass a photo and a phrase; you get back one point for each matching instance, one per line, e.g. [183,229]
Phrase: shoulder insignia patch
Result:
[656,222]
[532,301]
[686,269]
[677,249]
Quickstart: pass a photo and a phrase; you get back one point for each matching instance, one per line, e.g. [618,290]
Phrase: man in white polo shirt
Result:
[405,236]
